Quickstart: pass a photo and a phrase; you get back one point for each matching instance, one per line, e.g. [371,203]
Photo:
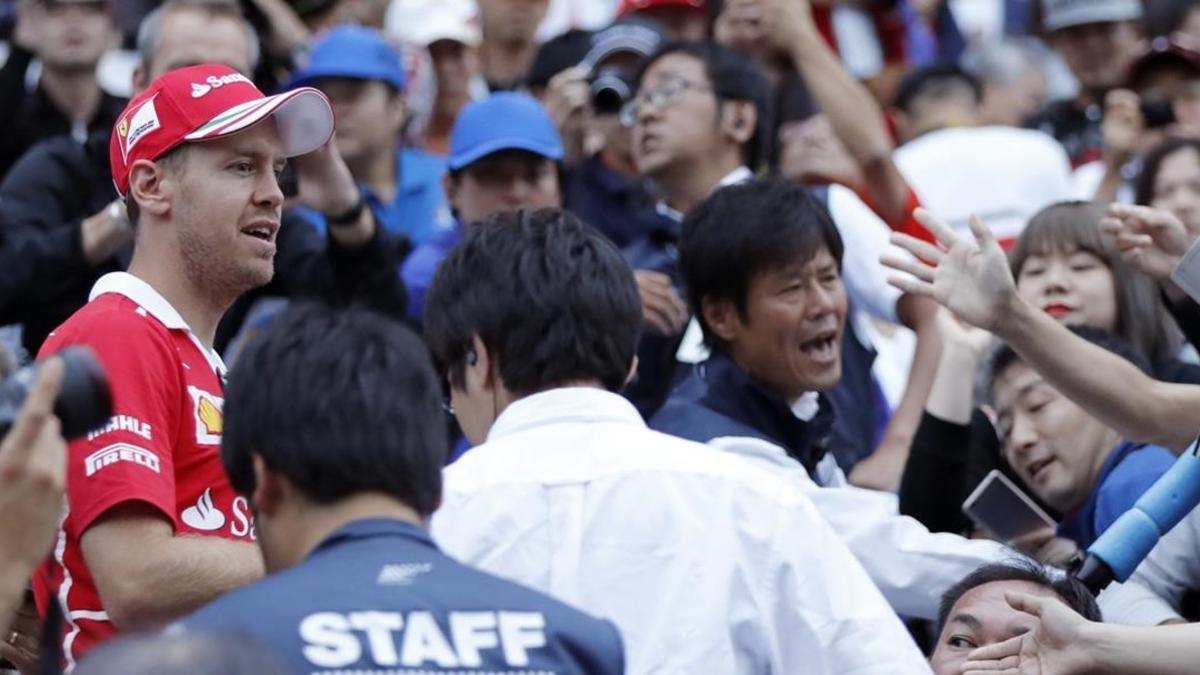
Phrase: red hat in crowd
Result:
[209,101]
[628,6]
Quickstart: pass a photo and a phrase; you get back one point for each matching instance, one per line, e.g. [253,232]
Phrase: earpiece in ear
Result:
[472,358]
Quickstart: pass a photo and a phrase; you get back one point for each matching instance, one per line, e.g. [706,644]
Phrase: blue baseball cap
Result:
[354,52]
[502,121]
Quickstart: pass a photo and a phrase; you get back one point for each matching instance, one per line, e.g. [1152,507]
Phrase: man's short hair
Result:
[151,26]
[745,230]
[936,82]
[552,299]
[340,402]
[1004,357]
[733,78]
[1069,589]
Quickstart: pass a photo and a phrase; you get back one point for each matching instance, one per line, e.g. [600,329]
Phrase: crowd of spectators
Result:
[598,336]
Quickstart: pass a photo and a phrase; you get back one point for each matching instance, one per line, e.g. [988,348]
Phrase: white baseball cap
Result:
[423,22]
[1059,14]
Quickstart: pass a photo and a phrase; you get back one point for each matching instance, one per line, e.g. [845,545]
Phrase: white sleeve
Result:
[910,565]
[1153,594]
[864,239]
[826,616]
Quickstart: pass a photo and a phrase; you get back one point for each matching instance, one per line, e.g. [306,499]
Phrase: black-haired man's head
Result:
[697,102]
[530,301]
[328,405]
[974,612]
[1054,446]
[936,97]
[761,262]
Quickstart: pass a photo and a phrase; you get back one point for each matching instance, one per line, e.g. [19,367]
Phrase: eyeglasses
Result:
[664,95]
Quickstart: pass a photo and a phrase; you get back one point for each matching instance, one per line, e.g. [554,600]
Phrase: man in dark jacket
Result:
[67,37]
[62,226]
[770,301]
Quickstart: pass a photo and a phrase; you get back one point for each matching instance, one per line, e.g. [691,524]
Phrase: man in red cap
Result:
[683,19]
[153,529]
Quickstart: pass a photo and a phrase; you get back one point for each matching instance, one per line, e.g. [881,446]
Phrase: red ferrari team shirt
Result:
[161,447]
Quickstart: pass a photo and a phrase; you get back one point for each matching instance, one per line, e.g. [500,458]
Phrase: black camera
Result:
[84,400]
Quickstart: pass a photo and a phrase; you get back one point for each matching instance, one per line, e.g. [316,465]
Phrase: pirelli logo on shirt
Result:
[120,452]
[207,411]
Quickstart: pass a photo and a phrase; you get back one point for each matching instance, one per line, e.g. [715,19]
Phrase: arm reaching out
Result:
[972,279]
[1064,643]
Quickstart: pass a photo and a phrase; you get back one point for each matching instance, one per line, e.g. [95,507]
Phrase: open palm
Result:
[970,277]
[1054,647]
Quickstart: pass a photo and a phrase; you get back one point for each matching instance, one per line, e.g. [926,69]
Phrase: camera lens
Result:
[609,90]
[84,400]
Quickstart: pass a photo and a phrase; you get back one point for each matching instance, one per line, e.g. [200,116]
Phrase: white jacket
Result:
[705,563]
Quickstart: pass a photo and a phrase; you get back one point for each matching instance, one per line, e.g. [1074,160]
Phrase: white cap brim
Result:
[303,116]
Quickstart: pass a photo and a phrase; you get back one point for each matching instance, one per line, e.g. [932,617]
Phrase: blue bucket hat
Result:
[353,52]
[502,121]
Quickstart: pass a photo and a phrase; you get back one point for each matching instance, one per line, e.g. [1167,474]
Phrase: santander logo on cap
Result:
[199,103]
[213,82]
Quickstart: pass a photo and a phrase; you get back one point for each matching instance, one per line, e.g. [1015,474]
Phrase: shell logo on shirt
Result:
[209,419]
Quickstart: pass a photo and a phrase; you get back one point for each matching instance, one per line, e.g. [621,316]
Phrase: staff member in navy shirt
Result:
[334,434]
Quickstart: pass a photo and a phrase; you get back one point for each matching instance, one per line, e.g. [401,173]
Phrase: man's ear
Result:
[480,366]
[739,120]
[397,111]
[722,317]
[149,187]
[269,491]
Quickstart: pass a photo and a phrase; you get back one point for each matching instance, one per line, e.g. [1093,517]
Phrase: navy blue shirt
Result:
[619,206]
[718,399]
[1129,471]
[378,596]
[420,266]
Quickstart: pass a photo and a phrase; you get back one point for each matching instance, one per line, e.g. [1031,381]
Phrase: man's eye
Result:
[960,642]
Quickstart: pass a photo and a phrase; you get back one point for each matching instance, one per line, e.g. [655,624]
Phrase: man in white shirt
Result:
[705,563]
[959,168]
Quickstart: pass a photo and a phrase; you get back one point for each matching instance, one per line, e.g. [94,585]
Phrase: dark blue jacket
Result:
[378,596]
[718,399]
[620,207]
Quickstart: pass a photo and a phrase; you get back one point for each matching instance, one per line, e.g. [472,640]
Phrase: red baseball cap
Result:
[204,102]
[628,6]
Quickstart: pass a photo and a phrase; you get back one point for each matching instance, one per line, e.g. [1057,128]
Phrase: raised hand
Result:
[1055,647]
[662,308]
[969,277]
[1151,240]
